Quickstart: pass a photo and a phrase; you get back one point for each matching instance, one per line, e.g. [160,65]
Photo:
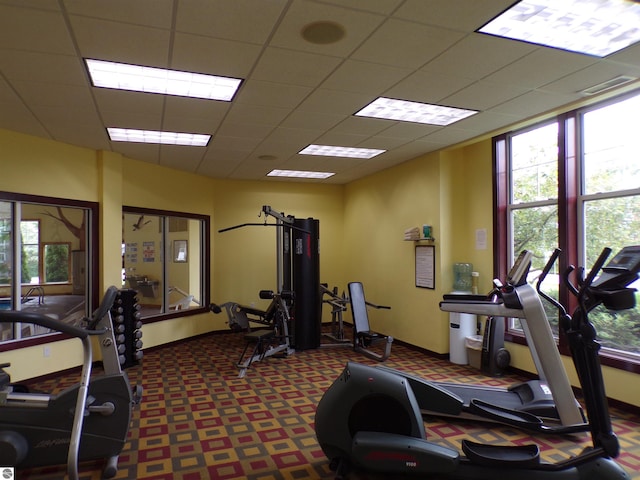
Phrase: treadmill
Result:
[545,405]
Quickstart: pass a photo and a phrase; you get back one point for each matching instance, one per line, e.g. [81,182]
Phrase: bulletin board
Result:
[425,266]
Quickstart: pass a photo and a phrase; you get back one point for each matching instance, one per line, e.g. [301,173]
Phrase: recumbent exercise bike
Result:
[87,421]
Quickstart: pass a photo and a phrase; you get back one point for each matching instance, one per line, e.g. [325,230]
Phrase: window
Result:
[573,182]
[165,259]
[54,276]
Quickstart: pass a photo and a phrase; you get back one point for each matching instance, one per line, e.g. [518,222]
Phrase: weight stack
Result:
[127,324]
[307,315]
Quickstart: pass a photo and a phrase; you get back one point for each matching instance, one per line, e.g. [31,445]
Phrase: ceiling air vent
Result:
[614,82]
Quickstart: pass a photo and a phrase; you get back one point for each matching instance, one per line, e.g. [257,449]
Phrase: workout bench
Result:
[363,337]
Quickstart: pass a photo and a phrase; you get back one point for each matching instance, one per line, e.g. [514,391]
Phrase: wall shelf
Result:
[426,240]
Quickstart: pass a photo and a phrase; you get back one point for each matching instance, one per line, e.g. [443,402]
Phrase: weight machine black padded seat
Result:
[260,339]
[363,336]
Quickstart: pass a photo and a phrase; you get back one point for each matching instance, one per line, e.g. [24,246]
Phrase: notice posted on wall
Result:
[148,251]
[425,266]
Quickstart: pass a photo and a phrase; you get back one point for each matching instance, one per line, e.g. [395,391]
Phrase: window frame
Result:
[205,261]
[92,249]
[570,206]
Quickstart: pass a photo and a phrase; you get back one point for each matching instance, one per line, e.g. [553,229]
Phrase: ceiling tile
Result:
[294,68]
[237,20]
[401,43]
[121,42]
[150,13]
[195,53]
[34,30]
[540,67]
[454,14]
[483,95]
[477,56]
[427,87]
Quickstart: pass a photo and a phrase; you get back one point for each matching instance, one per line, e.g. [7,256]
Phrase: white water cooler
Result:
[461,326]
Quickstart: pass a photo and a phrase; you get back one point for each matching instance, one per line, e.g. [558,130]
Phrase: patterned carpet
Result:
[198,420]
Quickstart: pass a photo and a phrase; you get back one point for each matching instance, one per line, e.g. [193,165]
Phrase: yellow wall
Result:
[361,236]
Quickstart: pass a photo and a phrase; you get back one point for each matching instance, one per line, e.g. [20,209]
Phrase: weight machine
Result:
[294,314]
[363,336]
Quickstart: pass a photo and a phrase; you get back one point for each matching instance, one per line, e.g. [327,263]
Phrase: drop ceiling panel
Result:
[540,67]
[483,95]
[194,53]
[243,145]
[360,126]
[272,94]
[406,44]
[74,131]
[477,56]
[121,42]
[34,30]
[284,142]
[335,101]
[257,114]
[485,122]
[427,87]
[312,120]
[244,130]
[534,102]
[408,130]
[375,6]
[294,68]
[365,77]
[115,101]
[460,15]
[237,20]
[14,115]
[41,93]
[590,76]
[138,151]
[20,66]
[151,13]
[181,157]
[340,139]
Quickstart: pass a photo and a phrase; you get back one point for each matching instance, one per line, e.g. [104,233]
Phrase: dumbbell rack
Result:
[127,323]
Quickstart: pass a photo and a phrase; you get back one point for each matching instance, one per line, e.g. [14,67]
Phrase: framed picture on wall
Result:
[180,251]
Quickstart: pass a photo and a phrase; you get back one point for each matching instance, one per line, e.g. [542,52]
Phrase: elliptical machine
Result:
[89,420]
[370,419]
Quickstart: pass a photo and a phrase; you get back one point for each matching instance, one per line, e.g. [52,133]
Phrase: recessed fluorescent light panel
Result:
[406,111]
[138,78]
[333,151]
[299,174]
[152,136]
[593,27]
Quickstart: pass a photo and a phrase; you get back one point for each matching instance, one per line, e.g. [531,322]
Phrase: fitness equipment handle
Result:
[13,316]
[44,321]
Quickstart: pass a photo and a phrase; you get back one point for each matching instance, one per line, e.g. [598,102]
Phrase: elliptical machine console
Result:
[369,418]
